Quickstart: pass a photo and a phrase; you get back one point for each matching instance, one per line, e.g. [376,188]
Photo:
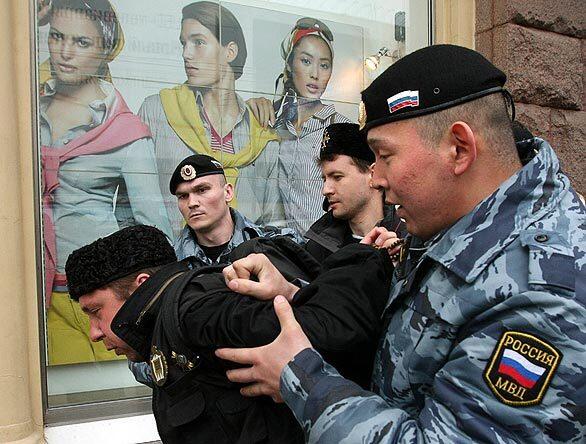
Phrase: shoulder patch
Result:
[521,368]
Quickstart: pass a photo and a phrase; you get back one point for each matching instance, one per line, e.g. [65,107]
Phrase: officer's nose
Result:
[193,201]
[377,177]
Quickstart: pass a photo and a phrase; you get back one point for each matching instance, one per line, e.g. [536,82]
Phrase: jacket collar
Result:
[330,232]
[244,229]
[130,323]
[473,242]
[325,113]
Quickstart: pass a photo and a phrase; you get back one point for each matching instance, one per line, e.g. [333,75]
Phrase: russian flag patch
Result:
[403,100]
[520,369]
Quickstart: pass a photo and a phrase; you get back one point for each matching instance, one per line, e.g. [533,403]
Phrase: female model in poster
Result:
[98,165]
[301,118]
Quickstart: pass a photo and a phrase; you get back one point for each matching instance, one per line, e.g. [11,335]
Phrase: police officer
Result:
[355,207]
[212,229]
[483,336]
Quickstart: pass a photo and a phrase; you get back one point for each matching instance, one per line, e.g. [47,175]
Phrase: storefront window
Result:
[127,90]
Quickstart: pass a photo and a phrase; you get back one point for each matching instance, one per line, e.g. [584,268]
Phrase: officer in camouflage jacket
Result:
[484,328]
[502,279]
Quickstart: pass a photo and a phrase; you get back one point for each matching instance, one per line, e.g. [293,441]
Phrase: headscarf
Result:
[107,20]
[287,106]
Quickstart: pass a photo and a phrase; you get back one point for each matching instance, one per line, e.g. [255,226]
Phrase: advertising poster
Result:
[129,88]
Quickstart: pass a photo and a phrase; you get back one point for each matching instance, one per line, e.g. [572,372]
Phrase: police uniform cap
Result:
[115,256]
[428,80]
[192,167]
[345,139]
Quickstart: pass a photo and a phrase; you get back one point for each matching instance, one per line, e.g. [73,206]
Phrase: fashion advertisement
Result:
[128,89]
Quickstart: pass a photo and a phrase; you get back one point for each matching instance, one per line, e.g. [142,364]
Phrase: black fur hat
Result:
[345,139]
[115,256]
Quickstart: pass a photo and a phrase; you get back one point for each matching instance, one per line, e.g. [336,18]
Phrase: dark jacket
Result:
[195,314]
[328,234]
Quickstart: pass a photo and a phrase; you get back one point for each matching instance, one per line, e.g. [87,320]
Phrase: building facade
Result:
[542,52]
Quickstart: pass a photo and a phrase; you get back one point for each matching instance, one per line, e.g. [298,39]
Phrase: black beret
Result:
[346,139]
[192,167]
[113,257]
[428,80]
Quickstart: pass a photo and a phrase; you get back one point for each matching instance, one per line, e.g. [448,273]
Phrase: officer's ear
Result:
[228,192]
[462,146]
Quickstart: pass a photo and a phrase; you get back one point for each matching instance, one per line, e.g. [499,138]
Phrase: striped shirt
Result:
[258,197]
[218,143]
[300,181]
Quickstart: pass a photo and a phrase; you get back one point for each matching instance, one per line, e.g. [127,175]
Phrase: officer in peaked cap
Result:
[483,339]
[355,207]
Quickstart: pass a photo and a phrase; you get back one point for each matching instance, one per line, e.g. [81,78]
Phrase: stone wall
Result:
[541,45]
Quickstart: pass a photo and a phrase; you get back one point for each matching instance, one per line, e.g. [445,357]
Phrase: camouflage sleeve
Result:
[535,336]
[141,372]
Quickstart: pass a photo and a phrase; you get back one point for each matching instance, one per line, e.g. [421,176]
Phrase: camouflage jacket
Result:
[484,333]
[186,244]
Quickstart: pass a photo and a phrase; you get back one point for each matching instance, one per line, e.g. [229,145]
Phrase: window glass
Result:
[127,89]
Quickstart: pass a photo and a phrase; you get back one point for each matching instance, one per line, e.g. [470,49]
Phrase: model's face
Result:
[203,202]
[413,175]
[101,306]
[75,46]
[311,67]
[346,187]
[204,57]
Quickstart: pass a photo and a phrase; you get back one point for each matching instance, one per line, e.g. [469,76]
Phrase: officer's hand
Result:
[270,281]
[380,237]
[263,110]
[267,362]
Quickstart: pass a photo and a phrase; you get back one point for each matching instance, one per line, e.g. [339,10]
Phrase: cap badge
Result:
[403,100]
[188,172]
[325,140]
[361,115]
[521,368]
[158,366]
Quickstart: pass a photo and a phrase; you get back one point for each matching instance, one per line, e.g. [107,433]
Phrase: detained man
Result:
[145,305]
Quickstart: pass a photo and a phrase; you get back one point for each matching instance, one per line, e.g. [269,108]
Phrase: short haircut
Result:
[208,14]
[486,116]
[123,287]
[362,165]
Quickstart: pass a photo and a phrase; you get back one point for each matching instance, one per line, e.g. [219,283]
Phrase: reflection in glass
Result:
[205,115]
[302,117]
[97,162]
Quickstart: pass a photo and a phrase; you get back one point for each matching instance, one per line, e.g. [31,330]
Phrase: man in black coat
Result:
[144,304]
[354,206]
